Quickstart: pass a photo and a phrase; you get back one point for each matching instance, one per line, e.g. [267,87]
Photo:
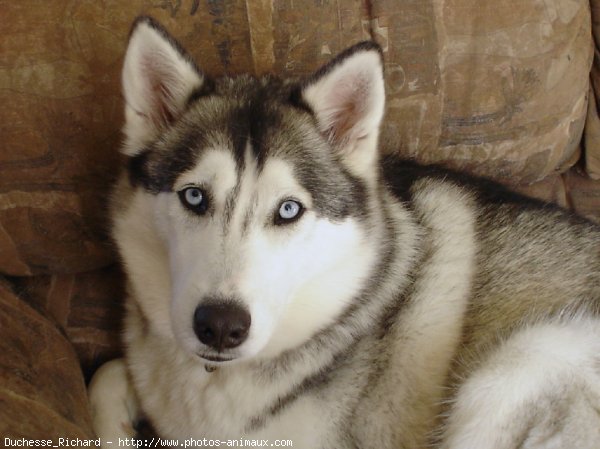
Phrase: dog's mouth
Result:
[215,358]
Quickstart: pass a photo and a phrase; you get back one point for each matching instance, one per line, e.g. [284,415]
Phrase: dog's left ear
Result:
[348,98]
[158,78]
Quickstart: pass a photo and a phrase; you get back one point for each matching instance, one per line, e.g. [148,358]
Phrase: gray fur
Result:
[259,112]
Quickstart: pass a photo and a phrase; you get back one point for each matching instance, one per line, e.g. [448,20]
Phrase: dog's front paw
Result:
[113,404]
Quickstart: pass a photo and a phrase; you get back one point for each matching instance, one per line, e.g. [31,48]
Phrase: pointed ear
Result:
[348,98]
[158,78]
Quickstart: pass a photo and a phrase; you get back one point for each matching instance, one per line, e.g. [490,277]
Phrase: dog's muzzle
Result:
[221,325]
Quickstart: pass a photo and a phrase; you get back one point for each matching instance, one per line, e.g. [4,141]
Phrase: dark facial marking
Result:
[157,167]
[296,100]
[259,113]
[255,118]
[230,202]
[336,193]
[207,88]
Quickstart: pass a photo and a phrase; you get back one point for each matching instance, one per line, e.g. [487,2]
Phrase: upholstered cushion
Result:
[497,88]
[42,393]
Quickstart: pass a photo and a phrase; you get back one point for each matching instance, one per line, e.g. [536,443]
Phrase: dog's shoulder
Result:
[405,177]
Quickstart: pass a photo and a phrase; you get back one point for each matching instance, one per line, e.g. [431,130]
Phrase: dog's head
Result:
[247,227]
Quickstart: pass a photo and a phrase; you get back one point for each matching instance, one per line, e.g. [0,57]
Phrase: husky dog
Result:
[287,283]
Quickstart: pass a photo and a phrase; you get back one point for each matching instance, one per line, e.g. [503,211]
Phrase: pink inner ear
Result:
[160,97]
[343,120]
[348,106]
[163,112]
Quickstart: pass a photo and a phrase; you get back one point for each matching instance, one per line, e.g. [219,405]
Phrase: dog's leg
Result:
[113,403]
[540,389]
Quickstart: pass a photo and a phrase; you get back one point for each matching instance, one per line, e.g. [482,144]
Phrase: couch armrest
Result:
[42,391]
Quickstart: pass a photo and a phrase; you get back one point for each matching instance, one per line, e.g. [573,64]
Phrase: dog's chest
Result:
[228,405]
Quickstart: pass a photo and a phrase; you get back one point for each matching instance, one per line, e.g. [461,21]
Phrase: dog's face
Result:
[248,227]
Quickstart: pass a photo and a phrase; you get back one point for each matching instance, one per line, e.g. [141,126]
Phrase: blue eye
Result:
[289,211]
[193,196]
[194,199]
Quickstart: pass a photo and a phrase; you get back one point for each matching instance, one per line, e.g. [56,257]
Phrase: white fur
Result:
[144,251]
[113,404]
[540,389]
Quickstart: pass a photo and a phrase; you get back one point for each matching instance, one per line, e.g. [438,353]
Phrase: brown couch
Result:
[500,88]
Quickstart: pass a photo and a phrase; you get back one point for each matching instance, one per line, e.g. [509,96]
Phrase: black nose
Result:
[221,326]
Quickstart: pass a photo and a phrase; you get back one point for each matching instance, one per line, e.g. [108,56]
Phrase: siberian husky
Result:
[286,283]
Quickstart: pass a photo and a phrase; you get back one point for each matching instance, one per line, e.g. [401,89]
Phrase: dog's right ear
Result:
[347,97]
[158,79]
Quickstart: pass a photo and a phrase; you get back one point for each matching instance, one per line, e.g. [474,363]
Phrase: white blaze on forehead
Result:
[279,182]
[216,169]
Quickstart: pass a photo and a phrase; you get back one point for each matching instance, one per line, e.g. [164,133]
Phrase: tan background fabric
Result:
[42,394]
[498,88]
[592,130]
[88,306]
